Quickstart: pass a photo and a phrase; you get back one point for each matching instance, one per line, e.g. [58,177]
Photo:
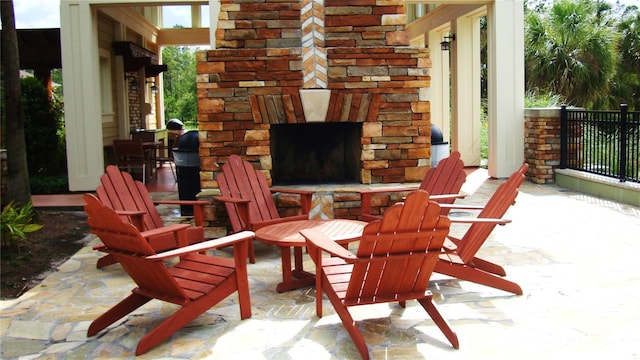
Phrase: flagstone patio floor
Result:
[575,256]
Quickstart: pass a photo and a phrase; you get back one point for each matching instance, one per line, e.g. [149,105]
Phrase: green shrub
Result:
[44,130]
[16,224]
[536,99]
[54,184]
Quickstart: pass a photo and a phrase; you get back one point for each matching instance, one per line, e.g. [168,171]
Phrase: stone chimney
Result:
[315,62]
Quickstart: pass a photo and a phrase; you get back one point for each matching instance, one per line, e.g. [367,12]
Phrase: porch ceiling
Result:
[39,48]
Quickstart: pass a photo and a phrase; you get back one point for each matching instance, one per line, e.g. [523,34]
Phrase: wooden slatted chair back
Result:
[446,178]
[121,192]
[129,248]
[240,180]
[397,253]
[501,200]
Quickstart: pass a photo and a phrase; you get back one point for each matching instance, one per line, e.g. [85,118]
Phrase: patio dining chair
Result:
[195,282]
[164,155]
[130,155]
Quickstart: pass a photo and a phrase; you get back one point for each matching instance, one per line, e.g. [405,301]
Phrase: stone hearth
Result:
[268,52]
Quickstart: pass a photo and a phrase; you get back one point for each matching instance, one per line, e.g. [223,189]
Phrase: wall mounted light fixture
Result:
[133,82]
[154,88]
[446,44]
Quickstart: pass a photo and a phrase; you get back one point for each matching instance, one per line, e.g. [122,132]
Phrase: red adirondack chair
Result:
[462,263]
[130,198]
[196,282]
[248,199]
[442,182]
[393,262]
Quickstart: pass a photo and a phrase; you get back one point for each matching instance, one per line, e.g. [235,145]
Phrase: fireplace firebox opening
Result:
[316,153]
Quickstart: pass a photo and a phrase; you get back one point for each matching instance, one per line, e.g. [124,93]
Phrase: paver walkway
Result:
[575,256]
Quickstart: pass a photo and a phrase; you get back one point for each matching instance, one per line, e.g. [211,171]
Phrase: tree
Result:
[627,77]
[570,50]
[18,175]
[180,84]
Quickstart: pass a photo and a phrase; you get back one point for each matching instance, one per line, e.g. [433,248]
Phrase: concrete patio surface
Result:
[574,255]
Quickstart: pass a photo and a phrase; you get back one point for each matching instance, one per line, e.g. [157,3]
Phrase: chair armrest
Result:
[176,235]
[136,217]
[130,212]
[447,196]
[388,190]
[179,232]
[164,230]
[242,207]
[292,191]
[460,220]
[206,245]
[182,202]
[317,239]
[462,206]
[227,199]
[198,208]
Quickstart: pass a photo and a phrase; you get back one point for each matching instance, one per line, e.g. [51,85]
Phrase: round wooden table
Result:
[286,235]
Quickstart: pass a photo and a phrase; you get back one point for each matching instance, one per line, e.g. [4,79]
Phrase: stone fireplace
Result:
[315,91]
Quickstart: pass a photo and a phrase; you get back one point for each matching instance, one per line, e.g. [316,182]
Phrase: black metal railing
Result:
[601,142]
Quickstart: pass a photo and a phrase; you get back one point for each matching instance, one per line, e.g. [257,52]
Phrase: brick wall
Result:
[135,101]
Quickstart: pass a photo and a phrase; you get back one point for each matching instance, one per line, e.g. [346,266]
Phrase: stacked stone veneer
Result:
[314,53]
[542,143]
[267,51]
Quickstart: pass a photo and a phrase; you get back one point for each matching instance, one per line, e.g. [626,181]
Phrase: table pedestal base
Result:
[293,278]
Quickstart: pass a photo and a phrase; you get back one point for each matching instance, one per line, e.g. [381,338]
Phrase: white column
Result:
[439,90]
[465,75]
[506,86]
[83,126]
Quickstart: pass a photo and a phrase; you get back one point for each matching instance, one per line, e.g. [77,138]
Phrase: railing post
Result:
[622,166]
[563,137]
